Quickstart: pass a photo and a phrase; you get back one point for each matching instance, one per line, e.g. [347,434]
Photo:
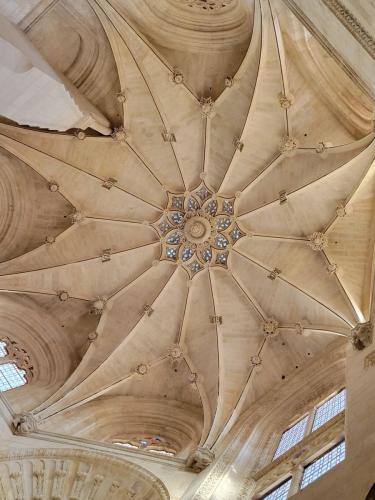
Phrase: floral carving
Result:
[318,241]
[198,229]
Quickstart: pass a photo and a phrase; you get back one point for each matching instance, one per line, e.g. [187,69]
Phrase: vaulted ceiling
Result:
[165,278]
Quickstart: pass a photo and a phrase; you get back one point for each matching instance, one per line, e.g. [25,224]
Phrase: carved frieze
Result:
[353,25]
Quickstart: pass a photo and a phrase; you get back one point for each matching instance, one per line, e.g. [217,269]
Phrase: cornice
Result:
[353,25]
[328,47]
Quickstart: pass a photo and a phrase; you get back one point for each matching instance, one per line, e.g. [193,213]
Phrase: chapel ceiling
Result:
[220,238]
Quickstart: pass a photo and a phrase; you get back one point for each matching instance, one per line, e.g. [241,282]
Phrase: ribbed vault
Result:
[183,347]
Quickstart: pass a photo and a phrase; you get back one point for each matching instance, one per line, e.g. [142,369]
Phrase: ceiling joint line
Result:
[144,163]
[33,292]
[181,332]
[219,393]
[343,289]
[145,82]
[84,172]
[156,53]
[263,172]
[88,259]
[261,54]
[241,398]
[279,46]
[256,307]
[131,330]
[305,186]
[294,286]
[351,196]
[98,393]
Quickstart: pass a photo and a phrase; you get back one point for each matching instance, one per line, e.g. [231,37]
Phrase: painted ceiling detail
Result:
[190,263]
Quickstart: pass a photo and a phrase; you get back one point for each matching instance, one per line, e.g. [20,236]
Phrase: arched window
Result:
[153,444]
[11,376]
[15,366]
[3,349]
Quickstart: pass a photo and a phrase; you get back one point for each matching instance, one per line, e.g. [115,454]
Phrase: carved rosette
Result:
[318,241]
[119,134]
[97,307]
[285,100]
[288,146]
[198,229]
[321,148]
[270,328]
[141,369]
[256,363]
[207,105]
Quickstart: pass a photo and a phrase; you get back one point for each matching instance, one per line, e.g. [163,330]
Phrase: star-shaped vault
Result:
[214,226]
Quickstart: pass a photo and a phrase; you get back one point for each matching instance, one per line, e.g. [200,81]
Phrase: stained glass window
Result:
[280,492]
[329,409]
[11,377]
[323,464]
[127,445]
[291,437]
[3,349]
[162,452]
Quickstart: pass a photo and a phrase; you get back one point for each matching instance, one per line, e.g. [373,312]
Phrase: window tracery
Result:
[198,229]
[15,365]
[154,444]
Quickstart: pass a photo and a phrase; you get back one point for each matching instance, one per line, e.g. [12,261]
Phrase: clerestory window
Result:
[323,464]
[11,376]
[154,444]
[319,416]
[291,437]
[314,466]
[280,492]
[332,407]
[15,365]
